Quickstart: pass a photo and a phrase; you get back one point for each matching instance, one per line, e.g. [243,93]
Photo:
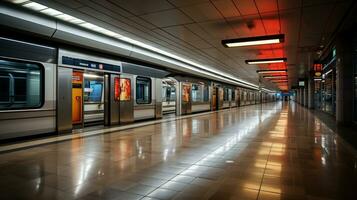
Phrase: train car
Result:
[51,89]
[193,95]
[27,88]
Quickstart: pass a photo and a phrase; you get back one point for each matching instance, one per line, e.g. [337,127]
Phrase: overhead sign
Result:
[90,64]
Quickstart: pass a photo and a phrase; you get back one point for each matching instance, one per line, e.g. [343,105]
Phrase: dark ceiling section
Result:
[194,29]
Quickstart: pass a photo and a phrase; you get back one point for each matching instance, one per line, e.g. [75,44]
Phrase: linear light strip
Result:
[265,61]
[253,43]
[250,41]
[274,77]
[68,18]
[271,71]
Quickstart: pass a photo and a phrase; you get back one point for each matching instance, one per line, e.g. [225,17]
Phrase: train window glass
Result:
[4,89]
[206,93]
[197,93]
[171,94]
[168,93]
[20,85]
[225,94]
[93,90]
[143,90]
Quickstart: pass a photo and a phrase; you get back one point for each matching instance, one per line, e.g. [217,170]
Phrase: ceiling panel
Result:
[227,8]
[115,8]
[267,5]
[180,3]
[139,7]
[246,7]
[167,18]
[202,12]
[289,4]
[183,33]
[218,29]
[193,29]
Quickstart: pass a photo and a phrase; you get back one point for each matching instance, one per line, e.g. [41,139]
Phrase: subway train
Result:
[56,89]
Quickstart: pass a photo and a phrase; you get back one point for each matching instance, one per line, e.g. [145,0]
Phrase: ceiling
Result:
[194,29]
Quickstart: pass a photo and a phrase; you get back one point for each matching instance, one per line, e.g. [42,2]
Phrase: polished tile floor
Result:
[269,151]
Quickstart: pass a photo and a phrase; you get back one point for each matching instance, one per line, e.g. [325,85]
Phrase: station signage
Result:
[90,64]
[317,70]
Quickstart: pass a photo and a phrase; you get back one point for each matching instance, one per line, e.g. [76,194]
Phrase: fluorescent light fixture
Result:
[280,81]
[51,12]
[92,75]
[317,79]
[268,71]
[252,41]
[275,77]
[265,61]
[160,54]
[35,6]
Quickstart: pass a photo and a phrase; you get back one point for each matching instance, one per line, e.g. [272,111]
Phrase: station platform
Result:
[275,150]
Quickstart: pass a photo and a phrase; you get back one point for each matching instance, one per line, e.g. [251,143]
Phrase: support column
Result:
[306,94]
[344,78]
[301,96]
[311,92]
[298,95]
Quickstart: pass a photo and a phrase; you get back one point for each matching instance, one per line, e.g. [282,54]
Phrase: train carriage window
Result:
[143,90]
[197,93]
[20,85]
[93,90]
[200,93]
[206,93]
[225,94]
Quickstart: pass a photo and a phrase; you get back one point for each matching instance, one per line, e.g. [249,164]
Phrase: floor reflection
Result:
[270,151]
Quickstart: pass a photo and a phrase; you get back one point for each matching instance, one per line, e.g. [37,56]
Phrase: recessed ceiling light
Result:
[268,71]
[252,41]
[265,61]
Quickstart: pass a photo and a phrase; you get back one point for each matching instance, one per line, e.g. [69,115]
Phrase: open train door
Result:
[186,97]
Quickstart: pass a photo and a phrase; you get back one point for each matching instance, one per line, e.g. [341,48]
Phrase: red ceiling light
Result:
[252,41]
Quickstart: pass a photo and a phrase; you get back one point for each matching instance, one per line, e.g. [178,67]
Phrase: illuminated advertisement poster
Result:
[125,89]
[116,89]
[186,93]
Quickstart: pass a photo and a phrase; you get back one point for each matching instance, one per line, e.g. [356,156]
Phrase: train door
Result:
[214,98]
[77,98]
[220,98]
[111,99]
[93,98]
[169,104]
[126,98]
[186,102]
